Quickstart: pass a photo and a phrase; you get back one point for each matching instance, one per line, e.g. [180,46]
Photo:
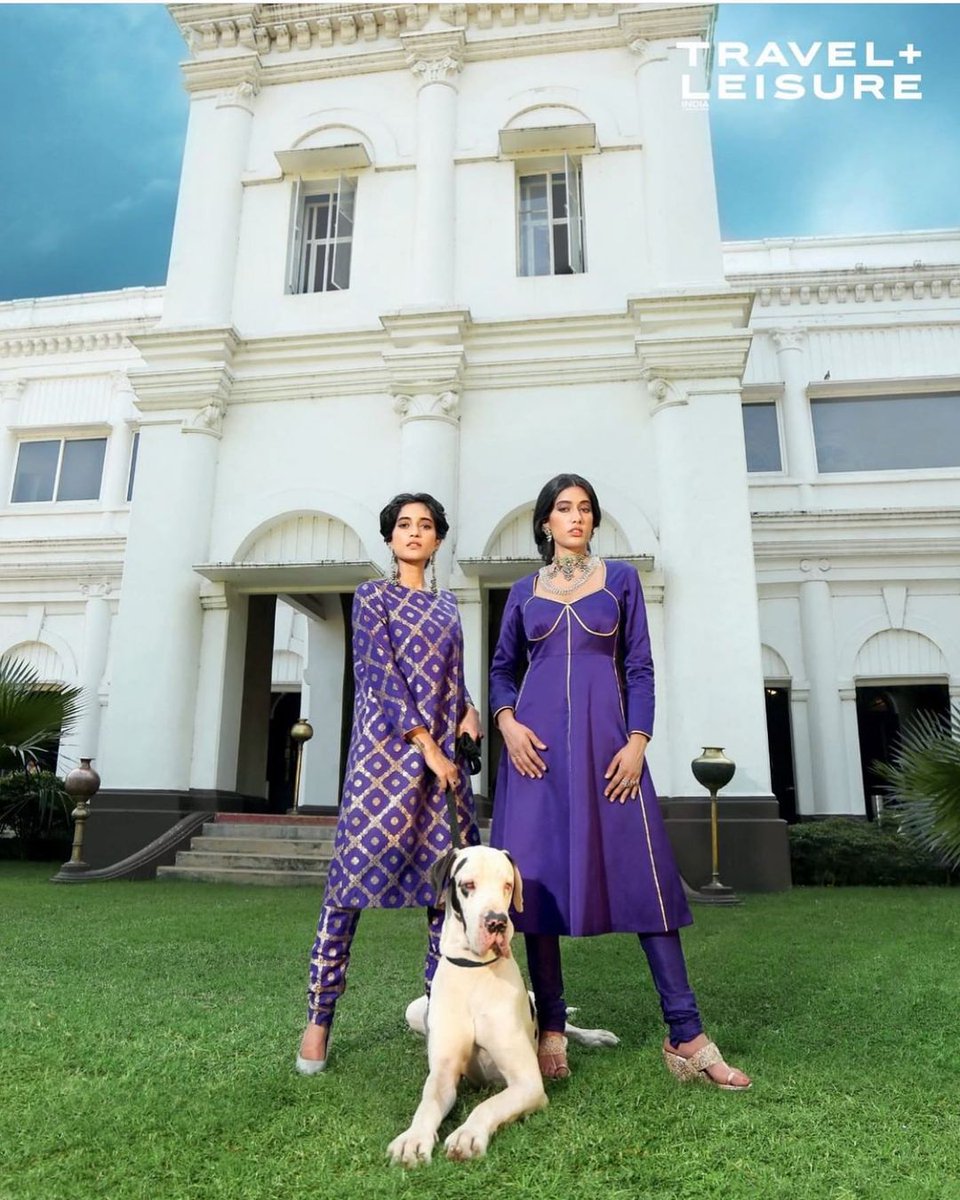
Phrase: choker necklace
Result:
[573,569]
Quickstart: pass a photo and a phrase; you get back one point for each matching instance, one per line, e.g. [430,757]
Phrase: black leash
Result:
[469,750]
[455,839]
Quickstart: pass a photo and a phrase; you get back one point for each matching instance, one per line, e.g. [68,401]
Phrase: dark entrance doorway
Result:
[281,751]
[780,746]
[883,712]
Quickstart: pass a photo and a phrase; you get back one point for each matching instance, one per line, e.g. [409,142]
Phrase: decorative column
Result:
[10,392]
[711,666]
[93,662]
[425,362]
[429,456]
[116,467]
[828,759]
[216,725]
[435,59]
[150,721]
[681,220]
[849,736]
[801,461]
[802,753]
[203,252]
[322,702]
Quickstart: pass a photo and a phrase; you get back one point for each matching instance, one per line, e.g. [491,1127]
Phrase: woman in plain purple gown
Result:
[571,688]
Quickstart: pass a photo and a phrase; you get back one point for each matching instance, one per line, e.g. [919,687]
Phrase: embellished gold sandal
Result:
[552,1056]
[686,1070]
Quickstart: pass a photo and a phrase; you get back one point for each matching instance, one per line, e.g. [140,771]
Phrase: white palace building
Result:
[459,248]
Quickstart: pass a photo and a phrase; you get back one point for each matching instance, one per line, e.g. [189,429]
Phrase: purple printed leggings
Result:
[665,958]
[330,958]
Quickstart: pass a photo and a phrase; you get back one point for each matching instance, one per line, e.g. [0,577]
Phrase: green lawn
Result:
[148,1031]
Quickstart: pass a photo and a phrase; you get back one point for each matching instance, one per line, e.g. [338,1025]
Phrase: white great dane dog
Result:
[480,1021]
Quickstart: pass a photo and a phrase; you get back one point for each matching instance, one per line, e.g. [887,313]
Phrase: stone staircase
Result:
[275,851]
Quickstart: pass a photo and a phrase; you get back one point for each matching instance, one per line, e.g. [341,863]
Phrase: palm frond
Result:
[924,782]
[32,714]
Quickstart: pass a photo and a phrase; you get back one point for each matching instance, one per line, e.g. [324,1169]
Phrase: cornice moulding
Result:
[74,339]
[691,309]
[852,285]
[658,24]
[696,357]
[170,348]
[293,52]
[899,386]
[182,390]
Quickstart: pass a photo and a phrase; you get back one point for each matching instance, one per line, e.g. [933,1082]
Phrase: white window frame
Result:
[571,167]
[302,256]
[821,394]
[132,465]
[778,410]
[62,440]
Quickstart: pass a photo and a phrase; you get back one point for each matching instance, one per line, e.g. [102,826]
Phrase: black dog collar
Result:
[466,962]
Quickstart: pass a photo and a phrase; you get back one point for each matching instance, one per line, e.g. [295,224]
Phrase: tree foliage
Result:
[924,782]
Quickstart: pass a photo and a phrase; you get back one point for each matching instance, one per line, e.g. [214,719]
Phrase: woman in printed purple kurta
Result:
[410,705]
[571,688]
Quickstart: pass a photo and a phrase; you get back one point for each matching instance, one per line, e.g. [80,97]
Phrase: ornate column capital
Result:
[663,392]
[789,339]
[96,589]
[435,57]
[241,95]
[646,52]
[427,406]
[12,389]
[207,420]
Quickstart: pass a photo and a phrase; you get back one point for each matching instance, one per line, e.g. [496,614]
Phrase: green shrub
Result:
[847,853]
[35,808]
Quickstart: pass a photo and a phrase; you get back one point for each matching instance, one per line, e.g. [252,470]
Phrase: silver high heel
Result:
[310,1066]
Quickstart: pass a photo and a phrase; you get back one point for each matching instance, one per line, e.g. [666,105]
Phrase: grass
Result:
[148,1030]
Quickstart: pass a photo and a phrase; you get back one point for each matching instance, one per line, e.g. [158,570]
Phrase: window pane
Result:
[535,249]
[561,254]
[340,271]
[762,437]
[82,469]
[348,197]
[316,281]
[534,226]
[559,189]
[133,465]
[533,195]
[36,471]
[886,433]
[575,221]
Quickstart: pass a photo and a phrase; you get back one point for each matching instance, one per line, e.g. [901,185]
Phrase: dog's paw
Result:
[465,1143]
[410,1149]
[592,1037]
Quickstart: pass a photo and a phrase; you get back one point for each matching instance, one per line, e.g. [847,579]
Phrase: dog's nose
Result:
[495,922]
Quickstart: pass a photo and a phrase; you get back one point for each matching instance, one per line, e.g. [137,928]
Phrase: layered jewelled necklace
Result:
[572,569]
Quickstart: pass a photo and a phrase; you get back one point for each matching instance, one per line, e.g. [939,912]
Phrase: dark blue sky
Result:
[95,117]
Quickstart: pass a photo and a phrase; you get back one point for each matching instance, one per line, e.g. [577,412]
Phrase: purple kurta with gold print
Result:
[588,866]
[408,671]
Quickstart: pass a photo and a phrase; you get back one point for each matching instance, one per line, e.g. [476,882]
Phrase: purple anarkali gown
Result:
[589,866]
[393,826]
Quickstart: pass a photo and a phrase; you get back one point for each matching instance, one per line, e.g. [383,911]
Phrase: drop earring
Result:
[433,574]
[547,534]
[395,574]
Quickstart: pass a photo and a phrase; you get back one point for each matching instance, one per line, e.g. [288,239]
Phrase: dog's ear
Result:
[440,877]
[517,900]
